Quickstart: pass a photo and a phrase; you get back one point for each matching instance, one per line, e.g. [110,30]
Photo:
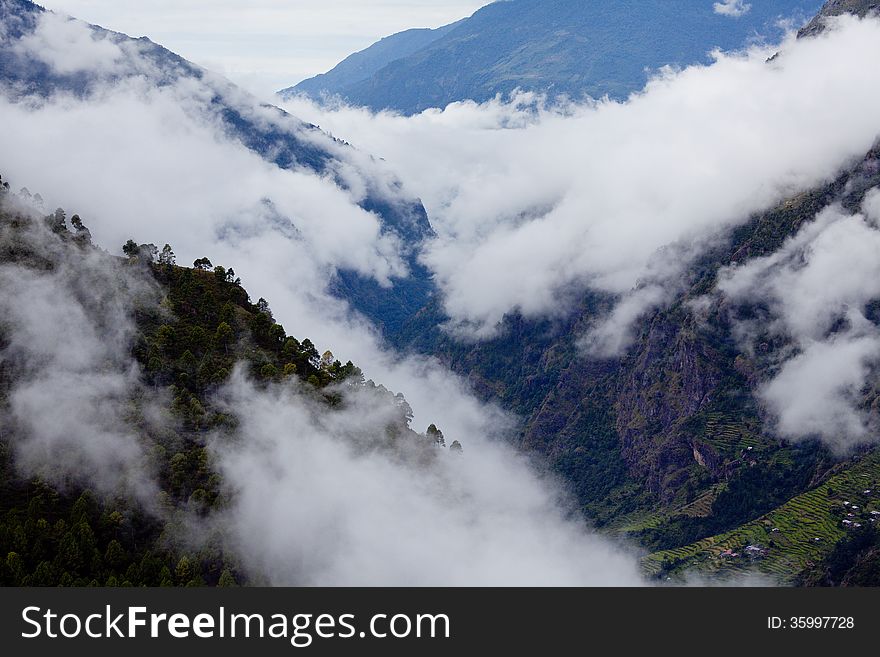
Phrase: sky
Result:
[265,45]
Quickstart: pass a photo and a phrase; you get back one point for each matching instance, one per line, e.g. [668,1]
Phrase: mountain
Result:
[154,345]
[264,129]
[558,47]
[668,444]
[362,65]
[859,8]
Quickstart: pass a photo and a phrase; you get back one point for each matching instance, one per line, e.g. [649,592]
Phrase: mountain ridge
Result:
[359,66]
[557,47]
[188,332]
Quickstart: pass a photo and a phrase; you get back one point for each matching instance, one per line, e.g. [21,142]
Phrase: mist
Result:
[140,161]
[533,204]
[77,410]
[318,501]
[816,289]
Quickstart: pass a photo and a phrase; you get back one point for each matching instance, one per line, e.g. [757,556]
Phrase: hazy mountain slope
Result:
[571,47]
[667,445]
[359,66]
[28,67]
[675,423]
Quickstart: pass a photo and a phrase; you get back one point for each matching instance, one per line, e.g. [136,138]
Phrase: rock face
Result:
[672,377]
[859,8]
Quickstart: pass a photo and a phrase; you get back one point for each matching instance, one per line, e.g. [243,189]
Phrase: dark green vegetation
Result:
[60,533]
[855,561]
[559,47]
[802,541]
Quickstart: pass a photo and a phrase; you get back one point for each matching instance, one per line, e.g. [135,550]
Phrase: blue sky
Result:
[265,44]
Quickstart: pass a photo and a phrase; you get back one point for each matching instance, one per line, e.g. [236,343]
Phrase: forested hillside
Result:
[184,331]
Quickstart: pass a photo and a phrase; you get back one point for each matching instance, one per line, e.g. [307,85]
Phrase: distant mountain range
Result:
[559,47]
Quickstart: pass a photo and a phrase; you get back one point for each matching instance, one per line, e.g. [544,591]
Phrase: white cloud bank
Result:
[318,503]
[69,46]
[533,205]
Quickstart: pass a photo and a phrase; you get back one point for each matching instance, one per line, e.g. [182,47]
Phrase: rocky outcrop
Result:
[859,8]
[671,377]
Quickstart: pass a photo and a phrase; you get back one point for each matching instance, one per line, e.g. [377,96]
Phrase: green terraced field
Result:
[728,437]
[638,521]
[808,527]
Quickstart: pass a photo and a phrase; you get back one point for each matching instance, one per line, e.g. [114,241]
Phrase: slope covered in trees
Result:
[184,332]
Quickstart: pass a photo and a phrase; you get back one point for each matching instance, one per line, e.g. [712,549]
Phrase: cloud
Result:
[828,269]
[141,160]
[171,169]
[816,289]
[533,205]
[732,8]
[74,389]
[68,46]
[613,333]
[318,501]
[817,392]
